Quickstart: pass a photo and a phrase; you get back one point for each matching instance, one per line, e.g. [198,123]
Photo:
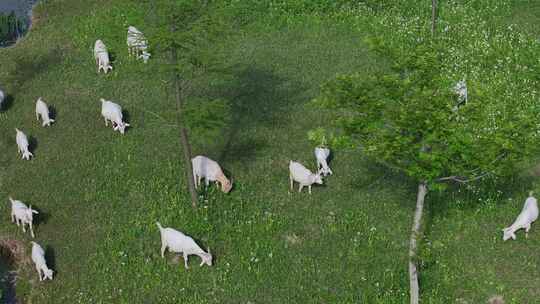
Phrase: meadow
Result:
[99,194]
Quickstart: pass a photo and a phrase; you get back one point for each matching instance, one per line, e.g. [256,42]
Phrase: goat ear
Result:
[127,125]
[513,236]
[34,211]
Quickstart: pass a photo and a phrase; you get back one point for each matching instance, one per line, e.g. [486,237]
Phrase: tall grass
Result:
[11,28]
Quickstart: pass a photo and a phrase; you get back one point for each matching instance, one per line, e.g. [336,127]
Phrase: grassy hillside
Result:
[99,193]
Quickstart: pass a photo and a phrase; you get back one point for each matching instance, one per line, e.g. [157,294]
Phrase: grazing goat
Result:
[102,56]
[204,167]
[2,97]
[113,112]
[528,214]
[322,157]
[43,111]
[302,175]
[176,241]
[137,43]
[38,257]
[21,214]
[22,143]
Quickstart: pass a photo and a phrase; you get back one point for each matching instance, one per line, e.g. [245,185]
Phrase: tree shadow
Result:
[112,58]
[41,218]
[7,103]
[32,144]
[126,116]
[53,112]
[258,98]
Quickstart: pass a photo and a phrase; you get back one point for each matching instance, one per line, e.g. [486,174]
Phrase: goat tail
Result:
[159,226]
[531,193]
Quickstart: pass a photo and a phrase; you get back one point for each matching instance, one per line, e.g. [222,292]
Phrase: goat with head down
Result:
[322,154]
[101,55]
[22,144]
[137,44]
[38,257]
[113,112]
[528,215]
[43,111]
[302,175]
[176,241]
[204,167]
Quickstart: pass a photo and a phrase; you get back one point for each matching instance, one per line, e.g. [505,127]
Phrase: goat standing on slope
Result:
[204,167]
[43,111]
[302,175]
[528,215]
[101,55]
[176,241]
[21,214]
[22,143]
[38,257]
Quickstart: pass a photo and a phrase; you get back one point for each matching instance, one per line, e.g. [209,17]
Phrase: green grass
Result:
[526,15]
[100,193]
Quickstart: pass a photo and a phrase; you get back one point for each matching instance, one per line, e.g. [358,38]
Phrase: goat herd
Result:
[203,167]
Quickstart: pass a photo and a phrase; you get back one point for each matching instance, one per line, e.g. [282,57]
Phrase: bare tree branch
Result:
[461,179]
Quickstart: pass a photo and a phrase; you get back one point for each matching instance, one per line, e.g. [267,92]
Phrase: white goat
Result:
[322,156]
[101,55]
[38,257]
[137,43]
[204,167]
[43,111]
[22,143]
[302,175]
[176,241]
[113,112]
[2,97]
[21,214]
[528,214]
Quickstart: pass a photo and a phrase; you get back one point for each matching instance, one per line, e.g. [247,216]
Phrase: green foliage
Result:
[407,117]
[206,118]
[106,192]
[192,30]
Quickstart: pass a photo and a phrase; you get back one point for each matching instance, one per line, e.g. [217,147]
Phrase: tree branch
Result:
[461,179]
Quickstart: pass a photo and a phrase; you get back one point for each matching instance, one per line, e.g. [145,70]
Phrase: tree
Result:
[403,117]
[186,31]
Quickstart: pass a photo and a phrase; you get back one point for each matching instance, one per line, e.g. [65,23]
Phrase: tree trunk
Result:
[184,141]
[433,16]
[413,249]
